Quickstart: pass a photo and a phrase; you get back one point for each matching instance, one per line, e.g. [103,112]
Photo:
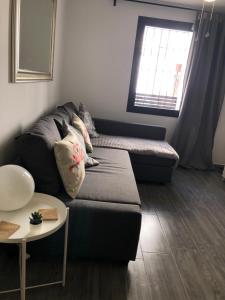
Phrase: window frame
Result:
[161,23]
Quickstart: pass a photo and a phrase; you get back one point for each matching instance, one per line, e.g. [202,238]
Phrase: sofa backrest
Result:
[117,128]
[35,150]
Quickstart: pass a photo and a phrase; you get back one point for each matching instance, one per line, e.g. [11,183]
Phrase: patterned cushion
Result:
[79,124]
[65,130]
[70,162]
[87,119]
[137,146]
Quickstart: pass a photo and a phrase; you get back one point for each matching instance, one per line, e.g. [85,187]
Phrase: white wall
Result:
[99,46]
[22,103]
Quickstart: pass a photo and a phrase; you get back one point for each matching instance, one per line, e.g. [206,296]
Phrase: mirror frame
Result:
[20,75]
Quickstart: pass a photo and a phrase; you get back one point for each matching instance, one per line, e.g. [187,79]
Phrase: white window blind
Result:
[163,62]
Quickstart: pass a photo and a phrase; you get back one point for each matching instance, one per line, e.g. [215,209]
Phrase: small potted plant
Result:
[36,218]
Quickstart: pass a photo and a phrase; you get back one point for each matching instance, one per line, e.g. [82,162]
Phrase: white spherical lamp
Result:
[16,187]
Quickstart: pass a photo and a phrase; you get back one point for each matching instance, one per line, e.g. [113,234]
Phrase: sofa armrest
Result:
[110,127]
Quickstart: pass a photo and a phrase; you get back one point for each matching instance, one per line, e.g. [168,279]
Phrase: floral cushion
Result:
[79,124]
[66,129]
[88,122]
[70,162]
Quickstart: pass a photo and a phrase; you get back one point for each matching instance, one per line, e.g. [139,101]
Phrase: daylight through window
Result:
[159,67]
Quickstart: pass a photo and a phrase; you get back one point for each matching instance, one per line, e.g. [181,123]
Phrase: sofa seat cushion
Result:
[111,181]
[137,146]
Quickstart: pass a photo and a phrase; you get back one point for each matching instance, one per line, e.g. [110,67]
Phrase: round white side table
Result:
[27,233]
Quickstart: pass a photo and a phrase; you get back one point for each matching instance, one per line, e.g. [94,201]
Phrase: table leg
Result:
[65,249]
[20,258]
[23,255]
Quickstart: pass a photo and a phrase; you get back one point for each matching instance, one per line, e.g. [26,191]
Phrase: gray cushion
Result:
[69,108]
[137,146]
[60,114]
[111,181]
[87,119]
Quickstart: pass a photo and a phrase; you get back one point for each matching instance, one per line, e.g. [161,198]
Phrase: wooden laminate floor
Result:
[181,253]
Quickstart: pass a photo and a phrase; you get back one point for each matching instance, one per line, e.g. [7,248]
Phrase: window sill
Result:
[153,111]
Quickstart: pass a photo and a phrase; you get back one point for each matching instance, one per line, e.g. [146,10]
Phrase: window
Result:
[159,63]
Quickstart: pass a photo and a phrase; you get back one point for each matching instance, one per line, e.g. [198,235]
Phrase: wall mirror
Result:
[33,36]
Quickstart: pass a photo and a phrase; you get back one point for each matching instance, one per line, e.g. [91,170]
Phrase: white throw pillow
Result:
[70,162]
[79,124]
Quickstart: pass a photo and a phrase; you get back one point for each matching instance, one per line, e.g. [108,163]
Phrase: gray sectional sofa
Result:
[105,217]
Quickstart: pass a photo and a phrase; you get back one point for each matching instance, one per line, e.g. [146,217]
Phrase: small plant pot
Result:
[36,218]
[35,223]
[35,228]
